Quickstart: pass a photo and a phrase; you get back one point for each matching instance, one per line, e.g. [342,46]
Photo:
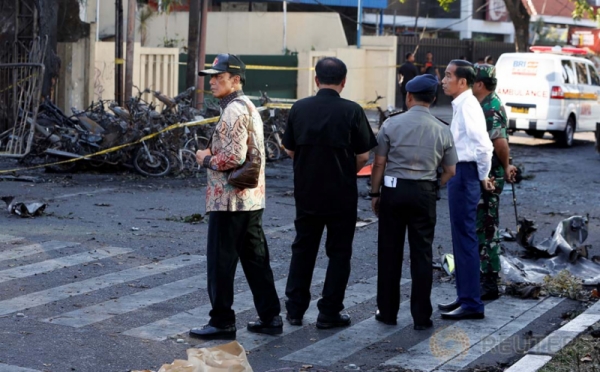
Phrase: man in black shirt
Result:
[406,73]
[429,67]
[329,139]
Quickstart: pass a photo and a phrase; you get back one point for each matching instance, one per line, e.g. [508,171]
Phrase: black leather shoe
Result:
[380,318]
[422,327]
[293,321]
[328,321]
[460,313]
[449,306]
[208,332]
[274,327]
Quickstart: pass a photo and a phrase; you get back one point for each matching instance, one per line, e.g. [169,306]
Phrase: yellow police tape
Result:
[287,68]
[285,106]
[116,148]
[19,82]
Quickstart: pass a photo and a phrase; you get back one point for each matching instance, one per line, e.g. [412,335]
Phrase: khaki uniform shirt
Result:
[415,144]
[229,148]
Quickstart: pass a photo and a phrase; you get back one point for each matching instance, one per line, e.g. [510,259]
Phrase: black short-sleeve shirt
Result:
[408,70]
[326,132]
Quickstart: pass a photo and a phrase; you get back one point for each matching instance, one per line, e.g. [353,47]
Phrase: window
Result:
[594,76]
[582,75]
[568,74]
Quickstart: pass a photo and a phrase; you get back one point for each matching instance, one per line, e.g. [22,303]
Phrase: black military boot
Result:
[489,287]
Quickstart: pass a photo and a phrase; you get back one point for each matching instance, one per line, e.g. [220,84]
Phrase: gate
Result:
[19,100]
[445,50]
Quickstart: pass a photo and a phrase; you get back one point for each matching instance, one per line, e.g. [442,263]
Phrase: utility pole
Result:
[191,77]
[202,52]
[119,52]
[131,10]
[359,23]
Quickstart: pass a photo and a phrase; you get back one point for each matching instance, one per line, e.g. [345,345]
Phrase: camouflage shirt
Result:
[496,121]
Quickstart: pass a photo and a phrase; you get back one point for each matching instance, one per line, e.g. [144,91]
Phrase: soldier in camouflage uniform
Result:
[487,209]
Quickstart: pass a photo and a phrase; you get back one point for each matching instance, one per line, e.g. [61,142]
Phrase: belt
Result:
[389,181]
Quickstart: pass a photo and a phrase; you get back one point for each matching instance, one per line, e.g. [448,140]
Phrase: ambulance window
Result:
[582,75]
[568,74]
[594,76]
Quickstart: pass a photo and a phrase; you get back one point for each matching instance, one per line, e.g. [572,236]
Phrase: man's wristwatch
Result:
[374,194]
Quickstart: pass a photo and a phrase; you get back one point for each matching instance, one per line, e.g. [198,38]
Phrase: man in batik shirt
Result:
[235,215]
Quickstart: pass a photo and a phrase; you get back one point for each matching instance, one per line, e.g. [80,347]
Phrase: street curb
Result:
[539,355]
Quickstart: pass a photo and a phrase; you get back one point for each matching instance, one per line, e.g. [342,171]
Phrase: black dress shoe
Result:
[380,318]
[209,332]
[449,306]
[422,327]
[293,321]
[461,313]
[274,327]
[328,321]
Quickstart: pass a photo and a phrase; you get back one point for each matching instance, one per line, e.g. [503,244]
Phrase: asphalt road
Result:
[110,279]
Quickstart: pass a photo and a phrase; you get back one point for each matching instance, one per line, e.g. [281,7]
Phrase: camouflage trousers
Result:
[487,223]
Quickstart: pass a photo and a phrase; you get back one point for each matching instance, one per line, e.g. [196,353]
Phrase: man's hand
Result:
[375,205]
[201,154]
[510,174]
[488,184]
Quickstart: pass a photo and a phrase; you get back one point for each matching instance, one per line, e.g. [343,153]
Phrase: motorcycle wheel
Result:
[151,163]
[272,150]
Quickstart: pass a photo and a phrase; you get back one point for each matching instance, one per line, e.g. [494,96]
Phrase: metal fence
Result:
[445,50]
[20,90]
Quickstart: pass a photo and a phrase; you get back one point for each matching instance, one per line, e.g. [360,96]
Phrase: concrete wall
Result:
[240,32]
[371,70]
[76,79]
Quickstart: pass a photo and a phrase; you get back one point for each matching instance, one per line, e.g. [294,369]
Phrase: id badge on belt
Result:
[390,181]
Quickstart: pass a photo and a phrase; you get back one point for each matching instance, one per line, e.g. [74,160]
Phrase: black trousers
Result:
[338,247]
[233,236]
[411,206]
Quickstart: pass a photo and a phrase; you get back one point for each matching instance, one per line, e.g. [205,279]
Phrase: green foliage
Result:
[583,10]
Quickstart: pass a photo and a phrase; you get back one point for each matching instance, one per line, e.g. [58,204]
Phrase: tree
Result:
[520,18]
[583,9]
[165,7]
[144,16]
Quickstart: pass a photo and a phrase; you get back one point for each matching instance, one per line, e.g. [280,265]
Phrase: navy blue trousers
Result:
[464,191]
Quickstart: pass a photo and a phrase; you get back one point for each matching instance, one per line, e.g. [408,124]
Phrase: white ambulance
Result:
[550,90]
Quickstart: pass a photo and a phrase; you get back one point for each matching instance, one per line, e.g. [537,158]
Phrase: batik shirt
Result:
[229,148]
[495,118]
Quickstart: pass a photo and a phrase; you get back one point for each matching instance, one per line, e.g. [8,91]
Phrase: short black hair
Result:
[481,59]
[488,58]
[489,83]
[464,70]
[331,71]
[425,97]
[407,56]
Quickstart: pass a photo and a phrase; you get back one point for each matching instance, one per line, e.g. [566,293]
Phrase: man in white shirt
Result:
[474,150]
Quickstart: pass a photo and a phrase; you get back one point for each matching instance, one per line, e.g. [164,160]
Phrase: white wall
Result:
[240,32]
[371,70]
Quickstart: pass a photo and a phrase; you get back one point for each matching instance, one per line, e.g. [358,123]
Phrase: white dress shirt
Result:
[469,130]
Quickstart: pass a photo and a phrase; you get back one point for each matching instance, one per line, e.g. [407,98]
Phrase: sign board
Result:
[496,11]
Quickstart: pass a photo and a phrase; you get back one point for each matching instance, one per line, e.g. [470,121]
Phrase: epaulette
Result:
[394,113]
[443,121]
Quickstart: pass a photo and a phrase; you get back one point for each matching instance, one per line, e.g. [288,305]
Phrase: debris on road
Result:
[225,357]
[362,222]
[23,210]
[192,218]
[563,251]
[21,178]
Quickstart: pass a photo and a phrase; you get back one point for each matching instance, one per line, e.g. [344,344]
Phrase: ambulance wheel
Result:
[565,138]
